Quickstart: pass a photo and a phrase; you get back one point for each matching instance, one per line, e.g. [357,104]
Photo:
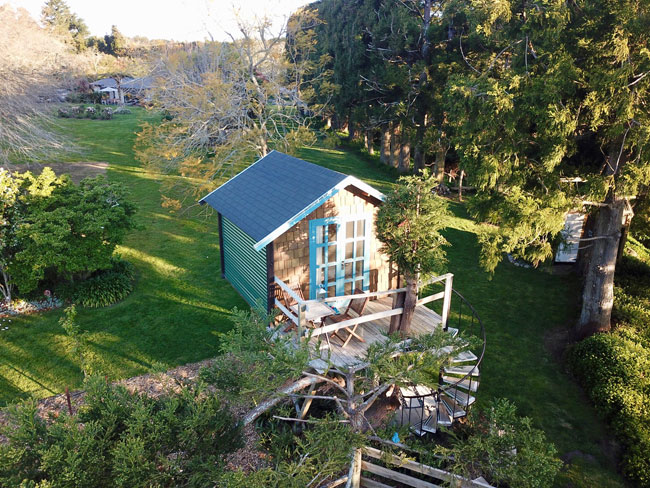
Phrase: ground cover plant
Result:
[615,367]
[119,439]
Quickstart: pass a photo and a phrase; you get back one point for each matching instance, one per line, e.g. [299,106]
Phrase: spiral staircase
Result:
[427,409]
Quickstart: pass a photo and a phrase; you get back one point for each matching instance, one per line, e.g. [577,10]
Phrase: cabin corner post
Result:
[221,256]
[270,278]
[446,304]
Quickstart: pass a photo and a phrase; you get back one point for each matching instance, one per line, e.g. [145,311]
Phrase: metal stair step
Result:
[461,397]
[462,370]
[453,410]
[466,384]
[464,357]
[444,418]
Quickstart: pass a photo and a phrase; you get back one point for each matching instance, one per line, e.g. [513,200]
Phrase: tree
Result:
[548,94]
[224,103]
[408,225]
[257,360]
[56,225]
[115,42]
[9,219]
[57,16]
[31,68]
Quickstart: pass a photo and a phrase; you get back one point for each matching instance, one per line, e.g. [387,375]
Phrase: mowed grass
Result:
[180,302]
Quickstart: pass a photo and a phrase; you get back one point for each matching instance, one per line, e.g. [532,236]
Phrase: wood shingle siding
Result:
[245,267]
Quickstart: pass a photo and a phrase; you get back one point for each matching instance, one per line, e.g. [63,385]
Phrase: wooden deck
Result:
[424,321]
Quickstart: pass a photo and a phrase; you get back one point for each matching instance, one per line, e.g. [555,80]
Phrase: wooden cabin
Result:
[306,225]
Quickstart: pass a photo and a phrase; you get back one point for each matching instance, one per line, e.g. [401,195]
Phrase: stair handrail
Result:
[470,375]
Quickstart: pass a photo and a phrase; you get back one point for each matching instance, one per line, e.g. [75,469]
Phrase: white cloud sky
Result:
[181,20]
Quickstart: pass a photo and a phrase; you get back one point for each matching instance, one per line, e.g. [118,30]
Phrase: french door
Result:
[339,255]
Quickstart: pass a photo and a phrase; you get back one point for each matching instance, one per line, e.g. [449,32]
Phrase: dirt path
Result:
[77,171]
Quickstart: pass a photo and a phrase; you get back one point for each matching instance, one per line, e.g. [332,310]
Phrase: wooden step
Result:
[466,384]
[455,413]
[464,357]
[452,331]
[462,370]
[461,397]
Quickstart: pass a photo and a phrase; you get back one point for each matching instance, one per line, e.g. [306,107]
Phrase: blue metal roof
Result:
[270,196]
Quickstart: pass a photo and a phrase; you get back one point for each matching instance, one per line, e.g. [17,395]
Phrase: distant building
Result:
[128,88]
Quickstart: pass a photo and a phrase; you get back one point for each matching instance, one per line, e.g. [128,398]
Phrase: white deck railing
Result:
[302,305]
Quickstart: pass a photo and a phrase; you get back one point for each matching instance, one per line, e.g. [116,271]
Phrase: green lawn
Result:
[176,310]
[181,303]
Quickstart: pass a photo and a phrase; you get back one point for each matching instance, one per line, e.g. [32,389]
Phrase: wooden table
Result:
[316,311]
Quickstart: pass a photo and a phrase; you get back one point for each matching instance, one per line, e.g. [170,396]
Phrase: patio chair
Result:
[289,301]
[356,305]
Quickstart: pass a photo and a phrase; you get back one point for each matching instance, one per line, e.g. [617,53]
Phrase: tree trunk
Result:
[410,301]
[441,154]
[398,302]
[384,152]
[270,402]
[352,131]
[6,287]
[368,139]
[598,293]
[460,185]
[418,159]
[395,144]
[405,157]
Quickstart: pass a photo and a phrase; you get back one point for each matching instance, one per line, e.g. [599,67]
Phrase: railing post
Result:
[446,303]
[302,309]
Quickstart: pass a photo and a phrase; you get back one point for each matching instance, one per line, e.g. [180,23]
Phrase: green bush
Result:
[504,448]
[120,439]
[91,97]
[105,288]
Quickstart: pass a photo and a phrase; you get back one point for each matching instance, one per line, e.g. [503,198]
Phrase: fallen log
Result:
[279,395]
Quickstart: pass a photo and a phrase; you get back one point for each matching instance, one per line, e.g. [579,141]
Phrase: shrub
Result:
[120,439]
[105,288]
[106,113]
[504,448]
[90,97]
[62,112]
[121,111]
[615,370]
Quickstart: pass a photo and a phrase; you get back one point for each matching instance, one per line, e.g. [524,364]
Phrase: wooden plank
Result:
[396,476]
[286,311]
[431,298]
[370,294]
[446,305]
[357,320]
[420,468]
[354,474]
[368,483]
[286,288]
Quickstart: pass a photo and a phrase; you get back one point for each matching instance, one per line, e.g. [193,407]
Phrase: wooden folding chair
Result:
[290,301]
[357,305]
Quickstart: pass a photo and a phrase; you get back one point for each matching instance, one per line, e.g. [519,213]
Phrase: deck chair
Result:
[357,305]
[290,301]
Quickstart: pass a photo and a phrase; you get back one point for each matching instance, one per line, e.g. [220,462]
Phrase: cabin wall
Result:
[291,249]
